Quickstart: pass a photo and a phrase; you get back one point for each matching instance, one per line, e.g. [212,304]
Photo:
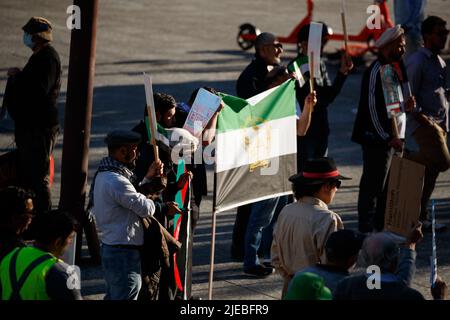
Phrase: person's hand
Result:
[397,144]
[346,64]
[439,290]
[184,178]
[222,105]
[311,100]
[414,236]
[172,209]
[423,119]
[410,104]
[13,71]
[155,170]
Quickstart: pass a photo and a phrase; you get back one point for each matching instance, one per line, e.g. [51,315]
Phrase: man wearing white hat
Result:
[373,127]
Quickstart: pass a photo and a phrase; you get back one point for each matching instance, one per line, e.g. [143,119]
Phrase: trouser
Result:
[434,155]
[261,216]
[309,148]
[122,272]
[239,230]
[373,187]
[34,148]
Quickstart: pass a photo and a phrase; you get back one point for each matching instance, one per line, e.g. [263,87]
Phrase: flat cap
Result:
[389,35]
[122,137]
[39,26]
[265,38]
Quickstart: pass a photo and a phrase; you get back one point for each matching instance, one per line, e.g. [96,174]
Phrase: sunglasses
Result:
[336,183]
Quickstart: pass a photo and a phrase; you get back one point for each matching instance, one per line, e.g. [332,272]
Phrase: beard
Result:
[130,162]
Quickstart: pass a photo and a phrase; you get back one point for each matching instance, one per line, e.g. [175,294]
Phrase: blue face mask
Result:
[27,40]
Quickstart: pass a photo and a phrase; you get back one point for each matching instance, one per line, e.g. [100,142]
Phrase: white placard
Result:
[149,99]
[202,110]
[315,45]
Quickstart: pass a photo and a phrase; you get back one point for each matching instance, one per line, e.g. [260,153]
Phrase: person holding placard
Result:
[315,142]
[380,126]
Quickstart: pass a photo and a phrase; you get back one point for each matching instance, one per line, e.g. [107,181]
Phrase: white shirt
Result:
[117,208]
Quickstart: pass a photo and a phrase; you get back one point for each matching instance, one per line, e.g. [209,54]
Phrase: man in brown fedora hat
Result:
[303,227]
[31,96]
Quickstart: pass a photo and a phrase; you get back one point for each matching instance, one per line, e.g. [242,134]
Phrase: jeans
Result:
[122,271]
[267,232]
[260,217]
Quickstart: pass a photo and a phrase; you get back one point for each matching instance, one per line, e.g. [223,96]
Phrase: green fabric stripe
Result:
[238,114]
[160,129]
[301,60]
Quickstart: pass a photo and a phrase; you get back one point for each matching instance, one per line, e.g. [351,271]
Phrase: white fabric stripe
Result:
[372,107]
[229,207]
[255,99]
[245,146]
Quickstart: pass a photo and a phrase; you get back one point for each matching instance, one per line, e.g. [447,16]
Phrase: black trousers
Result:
[34,146]
[373,187]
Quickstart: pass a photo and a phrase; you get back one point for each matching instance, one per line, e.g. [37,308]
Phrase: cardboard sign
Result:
[315,46]
[203,108]
[404,194]
[149,100]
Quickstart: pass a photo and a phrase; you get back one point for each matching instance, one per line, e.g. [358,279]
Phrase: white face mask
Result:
[28,41]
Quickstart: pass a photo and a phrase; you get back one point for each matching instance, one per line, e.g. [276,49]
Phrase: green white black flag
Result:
[256,147]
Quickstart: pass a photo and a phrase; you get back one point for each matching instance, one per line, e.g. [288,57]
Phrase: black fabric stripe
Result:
[238,185]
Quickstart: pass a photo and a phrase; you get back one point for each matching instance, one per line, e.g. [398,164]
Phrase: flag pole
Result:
[344,27]
[213,242]
[311,71]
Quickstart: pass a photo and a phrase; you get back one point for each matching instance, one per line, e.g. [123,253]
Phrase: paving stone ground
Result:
[184,45]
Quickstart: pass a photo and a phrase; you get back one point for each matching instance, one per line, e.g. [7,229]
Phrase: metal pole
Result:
[213,243]
[77,122]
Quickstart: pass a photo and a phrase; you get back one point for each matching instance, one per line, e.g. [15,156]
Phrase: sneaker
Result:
[259,271]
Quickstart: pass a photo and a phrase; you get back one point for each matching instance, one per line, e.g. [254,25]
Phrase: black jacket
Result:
[355,288]
[372,126]
[326,93]
[251,81]
[35,90]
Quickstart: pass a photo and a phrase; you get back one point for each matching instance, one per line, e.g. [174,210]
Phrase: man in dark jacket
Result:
[251,82]
[373,130]
[32,94]
[267,55]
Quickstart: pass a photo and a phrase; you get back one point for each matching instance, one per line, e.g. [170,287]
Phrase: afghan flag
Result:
[256,147]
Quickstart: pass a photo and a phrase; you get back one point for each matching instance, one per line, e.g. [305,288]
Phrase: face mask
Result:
[27,40]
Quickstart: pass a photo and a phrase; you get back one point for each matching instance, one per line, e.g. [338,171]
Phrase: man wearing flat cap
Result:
[251,81]
[31,96]
[304,226]
[381,132]
[118,209]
